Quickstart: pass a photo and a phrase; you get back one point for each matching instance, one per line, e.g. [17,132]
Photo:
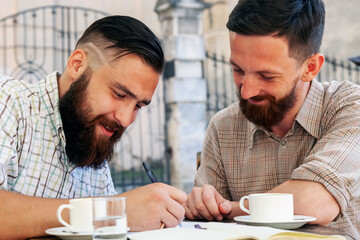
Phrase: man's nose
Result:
[125,116]
[250,87]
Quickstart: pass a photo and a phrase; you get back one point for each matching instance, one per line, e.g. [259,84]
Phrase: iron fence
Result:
[37,41]
[339,70]
[221,91]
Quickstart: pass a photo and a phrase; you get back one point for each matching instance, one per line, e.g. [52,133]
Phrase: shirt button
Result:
[283,142]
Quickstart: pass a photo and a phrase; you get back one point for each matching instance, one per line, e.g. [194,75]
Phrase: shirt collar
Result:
[252,129]
[51,103]
[310,112]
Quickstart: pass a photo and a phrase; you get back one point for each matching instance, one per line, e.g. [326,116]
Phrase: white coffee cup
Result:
[269,207]
[81,215]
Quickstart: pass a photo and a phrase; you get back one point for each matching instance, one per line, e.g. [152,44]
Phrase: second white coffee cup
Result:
[269,207]
[81,215]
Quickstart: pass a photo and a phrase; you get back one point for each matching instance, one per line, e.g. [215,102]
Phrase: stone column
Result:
[184,85]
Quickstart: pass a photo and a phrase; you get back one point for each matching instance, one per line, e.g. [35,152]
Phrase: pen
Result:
[149,173]
[153,180]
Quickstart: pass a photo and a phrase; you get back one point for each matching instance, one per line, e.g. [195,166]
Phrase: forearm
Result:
[24,216]
[311,199]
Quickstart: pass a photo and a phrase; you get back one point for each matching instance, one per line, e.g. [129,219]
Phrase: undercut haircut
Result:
[117,36]
[300,21]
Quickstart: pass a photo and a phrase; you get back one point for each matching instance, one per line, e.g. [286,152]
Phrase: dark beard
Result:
[271,114]
[83,147]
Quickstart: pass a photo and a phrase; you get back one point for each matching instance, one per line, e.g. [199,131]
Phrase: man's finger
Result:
[188,213]
[190,203]
[209,199]
[176,194]
[225,208]
[169,220]
[201,206]
[175,209]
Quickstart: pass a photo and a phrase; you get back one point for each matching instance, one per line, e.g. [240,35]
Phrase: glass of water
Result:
[109,218]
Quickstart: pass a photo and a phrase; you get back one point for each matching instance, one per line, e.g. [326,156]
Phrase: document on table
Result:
[225,231]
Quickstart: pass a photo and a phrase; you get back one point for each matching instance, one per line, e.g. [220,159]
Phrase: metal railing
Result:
[340,70]
[221,91]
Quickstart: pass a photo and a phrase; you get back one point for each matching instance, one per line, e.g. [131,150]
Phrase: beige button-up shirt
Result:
[323,145]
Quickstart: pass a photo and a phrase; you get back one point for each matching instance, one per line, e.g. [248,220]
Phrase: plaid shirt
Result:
[32,145]
[323,145]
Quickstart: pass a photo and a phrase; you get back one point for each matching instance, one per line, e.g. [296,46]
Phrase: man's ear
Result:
[77,63]
[312,66]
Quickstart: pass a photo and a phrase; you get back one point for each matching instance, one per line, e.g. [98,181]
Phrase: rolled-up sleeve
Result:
[334,161]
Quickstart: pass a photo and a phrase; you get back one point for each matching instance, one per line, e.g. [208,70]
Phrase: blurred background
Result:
[37,36]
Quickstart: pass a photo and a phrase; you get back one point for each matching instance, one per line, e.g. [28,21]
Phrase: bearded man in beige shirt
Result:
[288,132]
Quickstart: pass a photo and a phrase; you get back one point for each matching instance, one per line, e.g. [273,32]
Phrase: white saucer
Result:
[65,234]
[298,221]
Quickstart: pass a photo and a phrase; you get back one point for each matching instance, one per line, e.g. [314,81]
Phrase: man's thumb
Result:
[225,207]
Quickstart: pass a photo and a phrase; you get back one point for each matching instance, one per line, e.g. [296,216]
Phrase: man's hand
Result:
[206,203]
[151,205]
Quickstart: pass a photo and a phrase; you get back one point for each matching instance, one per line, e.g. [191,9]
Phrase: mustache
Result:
[105,122]
[262,97]
[257,97]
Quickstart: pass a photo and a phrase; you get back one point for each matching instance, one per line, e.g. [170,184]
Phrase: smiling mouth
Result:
[257,102]
[107,130]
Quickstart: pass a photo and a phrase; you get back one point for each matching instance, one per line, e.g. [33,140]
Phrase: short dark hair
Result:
[126,35]
[300,21]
